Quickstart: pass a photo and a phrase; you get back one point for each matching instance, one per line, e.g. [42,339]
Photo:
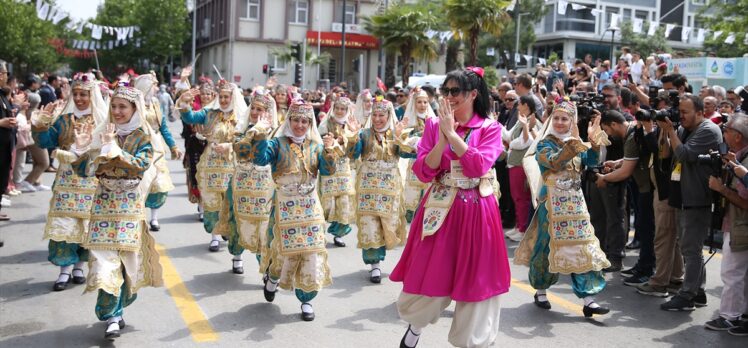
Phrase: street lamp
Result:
[516,42]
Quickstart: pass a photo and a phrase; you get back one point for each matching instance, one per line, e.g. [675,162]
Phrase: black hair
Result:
[612,116]
[429,89]
[51,78]
[698,104]
[528,100]
[469,80]
[628,97]
[524,80]
[614,88]
[669,78]
[391,96]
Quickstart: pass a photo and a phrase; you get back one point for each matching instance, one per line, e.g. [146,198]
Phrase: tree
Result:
[468,18]
[643,43]
[24,38]
[728,18]
[402,28]
[164,28]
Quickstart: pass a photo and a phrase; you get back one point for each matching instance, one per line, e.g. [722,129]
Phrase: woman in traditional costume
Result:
[561,238]
[455,249]
[364,101]
[381,223]
[337,191]
[162,184]
[282,98]
[72,195]
[417,112]
[215,168]
[297,154]
[250,194]
[123,255]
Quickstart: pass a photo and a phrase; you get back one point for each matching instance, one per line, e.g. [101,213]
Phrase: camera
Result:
[593,171]
[672,113]
[713,160]
[586,104]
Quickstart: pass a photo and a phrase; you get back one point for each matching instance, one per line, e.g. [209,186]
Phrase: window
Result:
[252,10]
[576,21]
[277,63]
[350,12]
[299,11]
[698,2]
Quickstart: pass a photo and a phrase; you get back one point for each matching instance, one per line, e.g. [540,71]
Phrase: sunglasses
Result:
[454,91]
[401,95]
[512,100]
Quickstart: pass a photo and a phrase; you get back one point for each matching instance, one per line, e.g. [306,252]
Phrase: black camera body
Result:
[586,104]
[713,160]
[593,171]
[672,113]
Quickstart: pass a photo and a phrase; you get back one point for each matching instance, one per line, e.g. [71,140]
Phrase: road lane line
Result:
[193,316]
[554,299]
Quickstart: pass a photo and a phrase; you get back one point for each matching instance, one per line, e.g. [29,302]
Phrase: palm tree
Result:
[402,28]
[470,18]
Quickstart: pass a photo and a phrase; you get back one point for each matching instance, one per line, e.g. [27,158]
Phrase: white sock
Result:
[113,320]
[62,278]
[541,296]
[589,301]
[307,308]
[200,208]
[154,214]
[375,270]
[215,238]
[237,257]
[78,269]
[271,285]
[411,338]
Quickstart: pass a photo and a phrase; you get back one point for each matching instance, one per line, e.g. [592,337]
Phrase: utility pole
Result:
[342,58]
[382,57]
[194,36]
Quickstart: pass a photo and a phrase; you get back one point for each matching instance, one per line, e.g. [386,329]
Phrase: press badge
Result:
[675,175]
[457,172]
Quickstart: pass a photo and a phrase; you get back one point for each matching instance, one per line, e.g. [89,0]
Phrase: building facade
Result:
[240,37]
[579,32]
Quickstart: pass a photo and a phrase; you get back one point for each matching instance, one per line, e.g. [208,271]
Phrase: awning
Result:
[333,39]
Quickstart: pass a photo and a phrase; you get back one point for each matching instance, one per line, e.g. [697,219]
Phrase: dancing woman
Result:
[455,248]
[250,194]
[215,168]
[123,255]
[297,155]
[72,195]
[162,184]
[364,101]
[560,238]
[417,112]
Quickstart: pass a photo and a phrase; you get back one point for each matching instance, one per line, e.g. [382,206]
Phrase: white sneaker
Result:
[517,236]
[41,187]
[510,232]
[14,193]
[5,202]
[25,186]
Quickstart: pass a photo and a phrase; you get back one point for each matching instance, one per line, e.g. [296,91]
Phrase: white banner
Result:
[613,20]
[652,28]
[578,7]
[638,25]
[730,39]
[717,34]
[701,35]
[490,51]
[541,60]
[517,58]
[528,58]
[685,34]
[562,5]
[668,29]
[595,12]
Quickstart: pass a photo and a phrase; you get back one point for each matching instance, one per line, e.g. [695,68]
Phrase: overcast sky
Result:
[80,9]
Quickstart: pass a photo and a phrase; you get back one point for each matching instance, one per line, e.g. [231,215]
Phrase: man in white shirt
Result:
[637,66]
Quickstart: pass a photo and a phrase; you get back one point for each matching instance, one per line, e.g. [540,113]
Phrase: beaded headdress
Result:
[263,100]
[381,105]
[224,85]
[566,107]
[83,81]
[344,101]
[301,109]
[130,94]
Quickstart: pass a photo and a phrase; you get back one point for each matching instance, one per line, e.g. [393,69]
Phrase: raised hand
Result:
[400,126]
[447,122]
[353,123]
[328,141]
[264,121]
[189,96]
[83,136]
[594,126]
[186,72]
[109,134]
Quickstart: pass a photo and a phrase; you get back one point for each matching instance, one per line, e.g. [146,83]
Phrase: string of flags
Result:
[49,12]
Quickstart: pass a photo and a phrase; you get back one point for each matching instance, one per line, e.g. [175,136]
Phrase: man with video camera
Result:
[735,227]
[690,195]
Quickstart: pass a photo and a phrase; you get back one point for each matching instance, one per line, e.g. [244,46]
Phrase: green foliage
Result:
[553,57]
[402,29]
[164,28]
[642,42]
[469,18]
[491,76]
[727,17]
[24,38]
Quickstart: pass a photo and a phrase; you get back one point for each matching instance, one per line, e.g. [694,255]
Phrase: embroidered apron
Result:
[117,216]
[378,188]
[253,192]
[72,197]
[299,217]
[340,183]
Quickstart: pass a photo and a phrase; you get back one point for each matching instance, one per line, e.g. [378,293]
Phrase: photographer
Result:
[735,228]
[690,195]
[635,163]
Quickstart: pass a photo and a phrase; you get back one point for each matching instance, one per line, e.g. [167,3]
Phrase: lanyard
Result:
[466,138]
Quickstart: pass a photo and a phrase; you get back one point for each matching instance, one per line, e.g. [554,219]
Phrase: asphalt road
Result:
[204,304]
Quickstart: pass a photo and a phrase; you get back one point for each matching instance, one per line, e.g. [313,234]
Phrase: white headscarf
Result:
[260,96]
[136,121]
[410,109]
[324,128]
[237,104]
[299,108]
[386,106]
[97,108]
[363,115]
[145,83]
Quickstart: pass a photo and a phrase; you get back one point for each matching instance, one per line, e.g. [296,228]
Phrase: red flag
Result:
[381,85]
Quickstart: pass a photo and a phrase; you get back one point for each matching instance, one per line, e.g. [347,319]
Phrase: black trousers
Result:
[6,152]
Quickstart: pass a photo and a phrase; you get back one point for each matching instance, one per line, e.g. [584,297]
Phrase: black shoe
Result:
[122,324]
[635,280]
[740,331]
[589,311]
[678,304]
[237,269]
[629,271]
[2,243]
[615,266]
[59,286]
[700,299]
[225,239]
[111,334]
[201,217]
[409,216]
[155,227]
[269,295]
[214,247]
[634,245]
[338,242]
[376,279]
[541,304]
[306,316]
[402,341]
[78,279]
